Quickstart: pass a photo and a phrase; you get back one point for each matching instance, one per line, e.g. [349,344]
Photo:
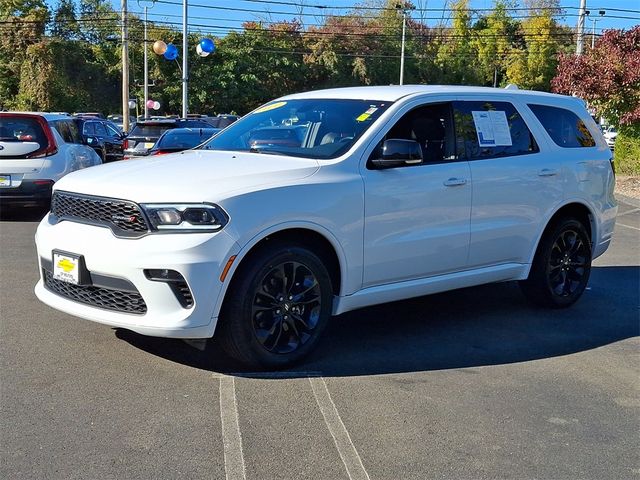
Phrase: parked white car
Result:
[610,136]
[36,150]
[328,201]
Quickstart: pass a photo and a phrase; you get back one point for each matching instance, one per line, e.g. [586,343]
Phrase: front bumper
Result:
[27,193]
[199,258]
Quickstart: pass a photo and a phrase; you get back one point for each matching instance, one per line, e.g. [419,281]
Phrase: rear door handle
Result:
[454,182]
[547,172]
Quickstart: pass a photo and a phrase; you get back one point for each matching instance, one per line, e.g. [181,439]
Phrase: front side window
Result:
[89,128]
[564,127]
[490,130]
[311,128]
[431,126]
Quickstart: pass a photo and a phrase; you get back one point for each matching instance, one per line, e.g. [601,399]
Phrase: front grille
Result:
[109,299]
[122,216]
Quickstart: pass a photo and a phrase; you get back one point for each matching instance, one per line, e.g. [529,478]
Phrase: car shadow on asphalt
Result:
[471,327]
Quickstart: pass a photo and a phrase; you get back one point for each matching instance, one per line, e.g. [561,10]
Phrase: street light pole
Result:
[125,69]
[185,55]
[593,31]
[146,67]
[404,8]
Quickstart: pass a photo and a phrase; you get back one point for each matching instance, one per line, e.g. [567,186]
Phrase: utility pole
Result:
[125,69]
[185,55]
[580,29]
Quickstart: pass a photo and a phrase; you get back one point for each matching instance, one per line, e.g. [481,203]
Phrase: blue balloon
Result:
[207,45]
[171,53]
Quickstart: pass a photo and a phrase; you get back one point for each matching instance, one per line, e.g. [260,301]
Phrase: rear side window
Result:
[490,130]
[68,130]
[563,126]
[89,128]
[21,129]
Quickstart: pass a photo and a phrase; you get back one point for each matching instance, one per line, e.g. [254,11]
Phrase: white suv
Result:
[327,201]
[36,150]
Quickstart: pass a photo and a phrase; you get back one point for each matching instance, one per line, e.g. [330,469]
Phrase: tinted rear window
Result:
[563,126]
[21,129]
[150,130]
[184,140]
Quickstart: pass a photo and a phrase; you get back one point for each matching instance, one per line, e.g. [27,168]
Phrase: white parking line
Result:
[344,445]
[629,211]
[231,437]
[628,226]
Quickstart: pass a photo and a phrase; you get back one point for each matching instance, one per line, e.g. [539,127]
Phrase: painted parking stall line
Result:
[344,445]
[231,437]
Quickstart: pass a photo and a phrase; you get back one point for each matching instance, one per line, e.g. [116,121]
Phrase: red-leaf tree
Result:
[607,76]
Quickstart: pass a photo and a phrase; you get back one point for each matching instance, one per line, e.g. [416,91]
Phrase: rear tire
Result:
[561,267]
[276,308]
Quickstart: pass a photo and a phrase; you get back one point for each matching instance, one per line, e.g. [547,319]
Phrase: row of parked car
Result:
[37,149]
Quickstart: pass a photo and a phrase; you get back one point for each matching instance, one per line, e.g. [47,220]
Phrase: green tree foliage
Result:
[65,24]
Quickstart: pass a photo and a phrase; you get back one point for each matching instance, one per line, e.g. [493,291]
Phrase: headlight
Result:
[185,217]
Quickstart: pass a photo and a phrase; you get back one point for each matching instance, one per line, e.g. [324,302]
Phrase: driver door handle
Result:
[454,182]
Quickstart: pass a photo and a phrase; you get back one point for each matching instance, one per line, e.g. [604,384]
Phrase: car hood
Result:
[191,176]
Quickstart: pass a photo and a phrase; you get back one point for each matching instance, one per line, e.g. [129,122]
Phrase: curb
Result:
[634,202]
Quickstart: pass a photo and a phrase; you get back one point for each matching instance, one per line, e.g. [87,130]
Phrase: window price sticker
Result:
[492,128]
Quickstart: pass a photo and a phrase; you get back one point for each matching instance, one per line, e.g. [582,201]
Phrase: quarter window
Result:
[490,130]
[564,127]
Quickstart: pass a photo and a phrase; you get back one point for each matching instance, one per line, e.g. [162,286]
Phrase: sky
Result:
[219,16]
[218,19]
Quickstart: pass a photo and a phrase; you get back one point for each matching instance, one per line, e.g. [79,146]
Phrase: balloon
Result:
[171,53]
[159,47]
[207,45]
[201,52]
[156,105]
[132,104]
[150,103]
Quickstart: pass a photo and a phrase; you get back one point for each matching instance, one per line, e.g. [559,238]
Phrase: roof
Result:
[46,115]
[393,93]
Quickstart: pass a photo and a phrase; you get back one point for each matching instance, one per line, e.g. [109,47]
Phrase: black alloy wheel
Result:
[286,307]
[277,305]
[561,267]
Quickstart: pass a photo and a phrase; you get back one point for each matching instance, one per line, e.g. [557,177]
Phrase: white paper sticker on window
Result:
[492,128]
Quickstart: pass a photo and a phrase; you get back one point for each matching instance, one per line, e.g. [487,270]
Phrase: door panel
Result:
[415,225]
[417,217]
[515,184]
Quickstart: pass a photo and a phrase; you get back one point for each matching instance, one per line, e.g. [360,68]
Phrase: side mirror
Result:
[398,152]
[91,141]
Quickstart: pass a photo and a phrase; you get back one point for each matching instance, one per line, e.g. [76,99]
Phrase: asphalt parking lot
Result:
[470,384]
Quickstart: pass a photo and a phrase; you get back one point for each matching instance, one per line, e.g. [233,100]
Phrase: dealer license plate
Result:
[66,267]
[5,180]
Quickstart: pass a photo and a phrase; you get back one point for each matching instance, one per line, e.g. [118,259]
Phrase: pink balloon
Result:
[150,103]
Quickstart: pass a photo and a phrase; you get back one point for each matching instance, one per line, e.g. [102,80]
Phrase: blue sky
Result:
[217,16]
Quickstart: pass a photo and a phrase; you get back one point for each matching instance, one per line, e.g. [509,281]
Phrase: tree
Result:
[65,24]
[607,76]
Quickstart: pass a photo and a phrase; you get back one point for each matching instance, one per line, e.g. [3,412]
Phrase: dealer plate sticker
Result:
[5,180]
[65,268]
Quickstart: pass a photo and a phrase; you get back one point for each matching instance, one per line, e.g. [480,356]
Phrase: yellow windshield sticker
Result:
[366,114]
[270,106]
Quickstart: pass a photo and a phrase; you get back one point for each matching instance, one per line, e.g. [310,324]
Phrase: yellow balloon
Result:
[159,47]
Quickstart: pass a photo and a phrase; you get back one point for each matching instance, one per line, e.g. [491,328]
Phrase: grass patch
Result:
[627,151]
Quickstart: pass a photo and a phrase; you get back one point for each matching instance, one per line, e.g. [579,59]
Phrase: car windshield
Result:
[312,128]
[184,139]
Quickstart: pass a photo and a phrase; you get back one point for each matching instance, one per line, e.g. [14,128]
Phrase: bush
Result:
[627,151]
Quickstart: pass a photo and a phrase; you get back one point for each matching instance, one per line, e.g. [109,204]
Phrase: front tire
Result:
[561,267]
[277,305]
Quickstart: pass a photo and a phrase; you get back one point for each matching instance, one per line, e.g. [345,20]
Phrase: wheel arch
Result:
[573,208]
[322,242]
